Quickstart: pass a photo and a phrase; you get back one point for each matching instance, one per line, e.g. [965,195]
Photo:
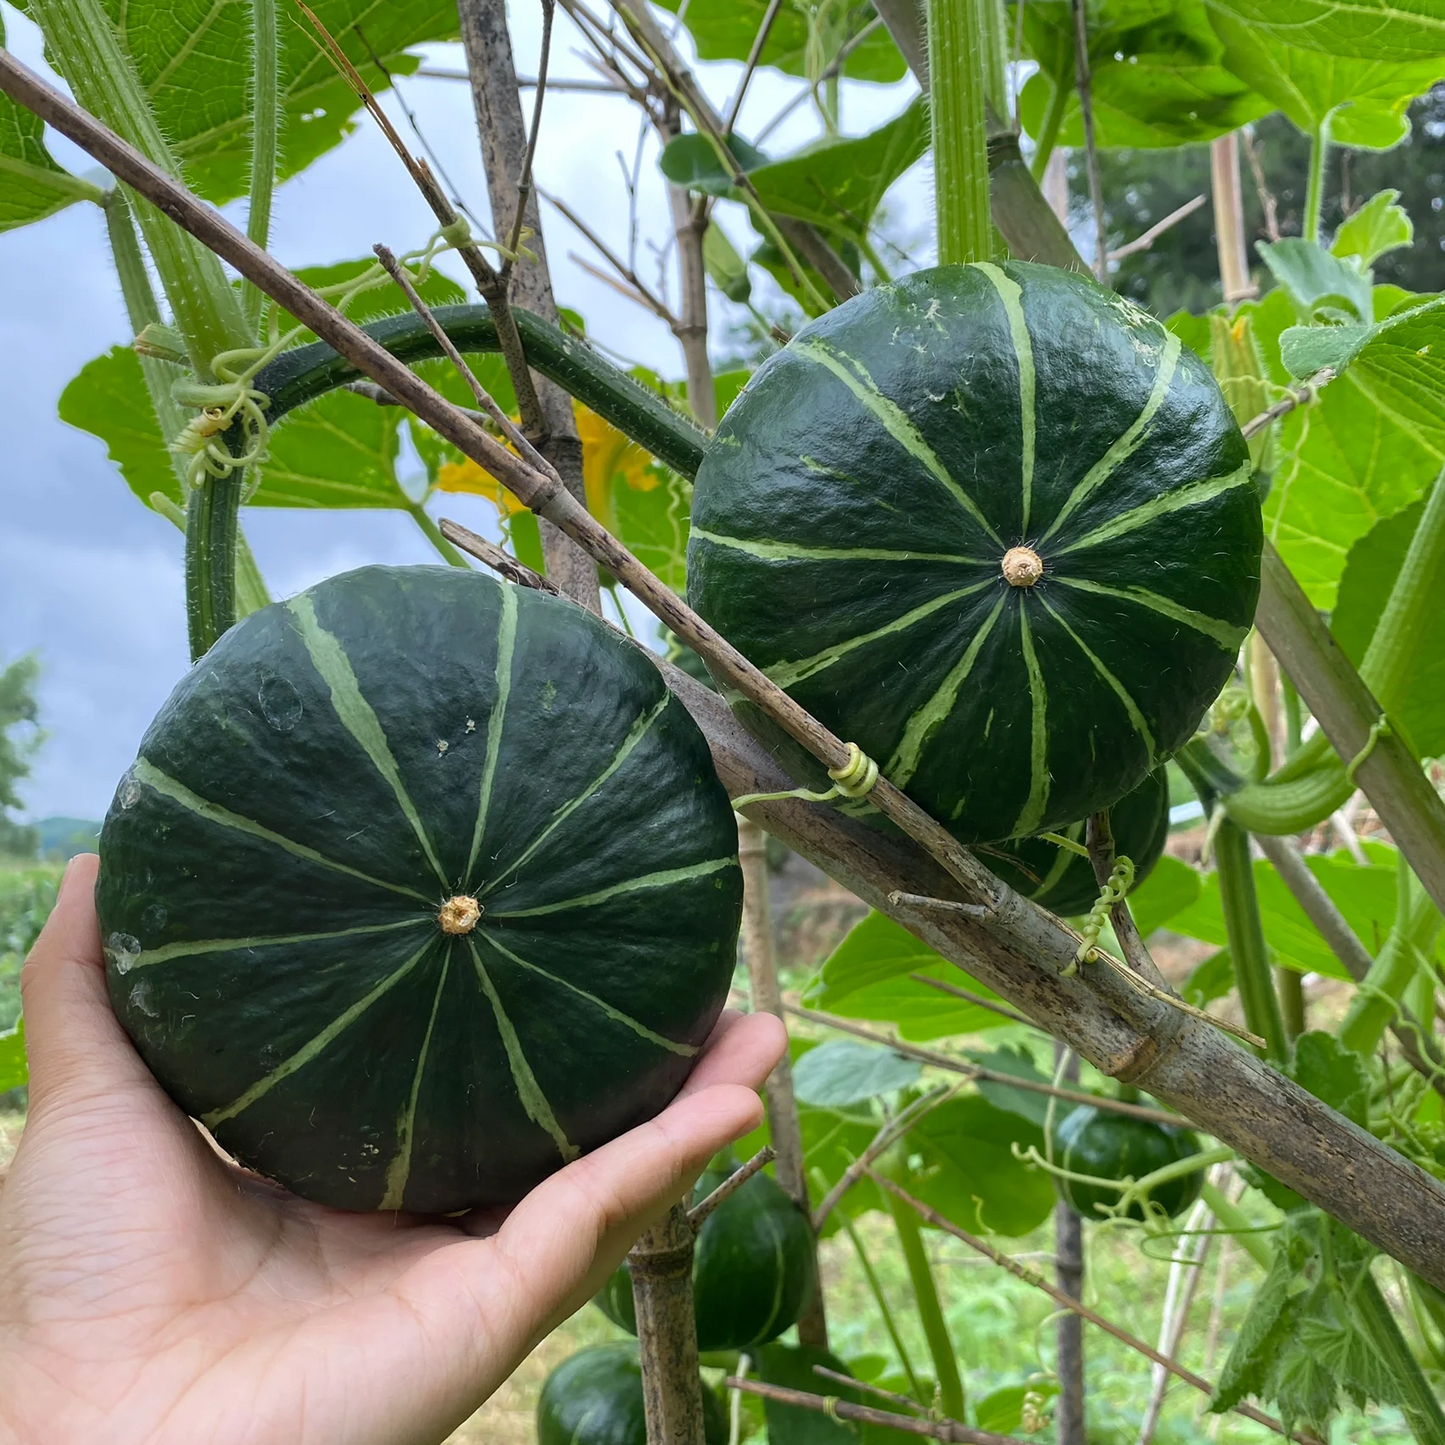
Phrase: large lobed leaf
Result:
[1387,30]
[194,58]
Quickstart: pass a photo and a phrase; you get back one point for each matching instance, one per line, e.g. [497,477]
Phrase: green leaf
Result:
[1023,1102]
[691,160]
[866,977]
[1158,77]
[1314,278]
[838,185]
[1370,445]
[194,59]
[969,1172]
[1365,895]
[1210,980]
[653,523]
[726,29]
[34,185]
[14,1066]
[1264,1332]
[1378,227]
[1002,1411]
[1363,100]
[726,269]
[1369,575]
[108,399]
[847,1071]
[1171,887]
[1388,30]
[1330,1071]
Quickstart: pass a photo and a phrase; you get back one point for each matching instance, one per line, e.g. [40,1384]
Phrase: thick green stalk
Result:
[1420,1407]
[1315,194]
[995,75]
[1417,921]
[81,41]
[1247,948]
[83,44]
[1291,1000]
[930,1310]
[889,1323]
[1245,1232]
[957,46]
[265,123]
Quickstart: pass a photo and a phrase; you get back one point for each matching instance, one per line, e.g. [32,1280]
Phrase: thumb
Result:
[75,1046]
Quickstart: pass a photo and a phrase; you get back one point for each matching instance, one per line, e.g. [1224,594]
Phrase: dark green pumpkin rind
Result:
[850,518]
[754,1268]
[595,1398]
[307,798]
[1112,1146]
[1062,881]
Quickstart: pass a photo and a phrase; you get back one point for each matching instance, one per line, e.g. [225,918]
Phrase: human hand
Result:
[152,1293]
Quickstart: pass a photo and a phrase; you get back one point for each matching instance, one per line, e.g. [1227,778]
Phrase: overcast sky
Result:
[92,581]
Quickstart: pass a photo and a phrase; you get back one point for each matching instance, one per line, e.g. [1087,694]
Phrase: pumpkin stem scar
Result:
[1022,566]
[459,914]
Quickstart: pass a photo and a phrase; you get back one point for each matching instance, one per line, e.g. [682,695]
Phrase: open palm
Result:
[151,1292]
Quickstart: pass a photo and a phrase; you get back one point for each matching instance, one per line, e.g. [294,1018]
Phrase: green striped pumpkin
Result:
[595,1398]
[291,873]
[994,524]
[754,1269]
[1062,881]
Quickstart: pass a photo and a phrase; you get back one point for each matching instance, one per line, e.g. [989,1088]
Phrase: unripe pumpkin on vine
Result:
[754,1267]
[995,525]
[1064,882]
[421,886]
[1108,1145]
[595,1398]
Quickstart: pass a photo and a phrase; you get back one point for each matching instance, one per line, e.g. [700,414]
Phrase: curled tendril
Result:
[1120,882]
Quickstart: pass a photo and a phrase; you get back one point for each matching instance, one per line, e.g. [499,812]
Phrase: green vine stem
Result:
[930,1310]
[432,533]
[957,45]
[889,1323]
[1247,948]
[1252,1238]
[1419,1405]
[83,43]
[265,123]
[1315,194]
[1377,998]
[1048,136]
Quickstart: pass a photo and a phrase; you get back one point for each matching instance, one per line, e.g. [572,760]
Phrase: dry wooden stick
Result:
[1143,242]
[751,64]
[730,1185]
[976,999]
[892,1130]
[867,1415]
[524,181]
[984,1074]
[823,1372]
[1302,395]
[1023,1272]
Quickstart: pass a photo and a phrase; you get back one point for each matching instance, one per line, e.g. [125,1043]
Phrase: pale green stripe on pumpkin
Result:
[197,947]
[1011,294]
[906,757]
[1125,445]
[797,552]
[1194,495]
[1227,634]
[146,772]
[635,734]
[1038,797]
[399,1171]
[687,1051]
[659,879]
[786,674]
[893,419]
[355,713]
[529,1091]
[1136,717]
[317,1045]
[506,647]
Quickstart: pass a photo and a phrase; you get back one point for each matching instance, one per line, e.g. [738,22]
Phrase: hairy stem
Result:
[957,46]
[1247,948]
[1315,194]
[265,125]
